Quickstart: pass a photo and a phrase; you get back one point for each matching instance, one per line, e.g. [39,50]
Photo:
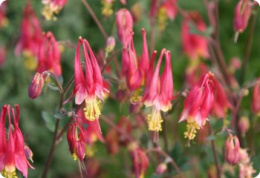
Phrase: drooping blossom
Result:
[89,88]
[158,92]
[36,85]
[49,57]
[3,18]
[30,38]
[82,134]
[194,46]
[221,103]
[163,10]
[76,138]
[140,160]
[255,106]
[12,146]
[167,10]
[232,148]
[135,68]
[198,105]
[124,23]
[242,15]
[52,8]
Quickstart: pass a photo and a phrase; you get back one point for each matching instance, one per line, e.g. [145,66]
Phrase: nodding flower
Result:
[158,92]
[140,160]
[49,56]
[198,105]
[12,146]
[124,23]
[89,87]
[30,38]
[194,45]
[232,147]
[76,138]
[167,10]
[135,68]
[52,8]
[242,15]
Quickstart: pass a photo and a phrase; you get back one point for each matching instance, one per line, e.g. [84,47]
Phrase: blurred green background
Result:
[74,21]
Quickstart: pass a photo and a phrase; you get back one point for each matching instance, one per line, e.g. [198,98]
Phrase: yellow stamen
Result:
[91,109]
[30,61]
[154,120]
[136,96]
[90,151]
[107,8]
[162,18]
[192,128]
[9,172]
[49,11]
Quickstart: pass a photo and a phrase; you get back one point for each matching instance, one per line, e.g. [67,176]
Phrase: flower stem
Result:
[248,47]
[215,154]
[93,15]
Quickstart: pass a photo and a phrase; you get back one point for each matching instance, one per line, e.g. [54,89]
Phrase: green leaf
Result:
[49,120]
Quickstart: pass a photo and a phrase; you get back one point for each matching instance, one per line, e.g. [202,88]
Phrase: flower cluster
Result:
[12,147]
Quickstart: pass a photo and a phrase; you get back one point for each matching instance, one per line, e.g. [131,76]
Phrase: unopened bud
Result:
[111,43]
[161,168]
[243,125]
[36,85]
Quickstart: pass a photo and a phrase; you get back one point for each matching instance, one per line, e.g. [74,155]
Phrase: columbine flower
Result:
[255,106]
[52,8]
[133,68]
[161,168]
[194,45]
[198,105]
[88,87]
[49,55]
[124,23]
[158,91]
[221,103]
[36,85]
[167,9]
[76,138]
[30,38]
[12,147]
[232,148]
[242,15]
[140,160]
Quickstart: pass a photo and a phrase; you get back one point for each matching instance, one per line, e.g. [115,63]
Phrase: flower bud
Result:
[242,15]
[161,168]
[243,125]
[232,148]
[36,85]
[255,106]
[124,22]
[111,43]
